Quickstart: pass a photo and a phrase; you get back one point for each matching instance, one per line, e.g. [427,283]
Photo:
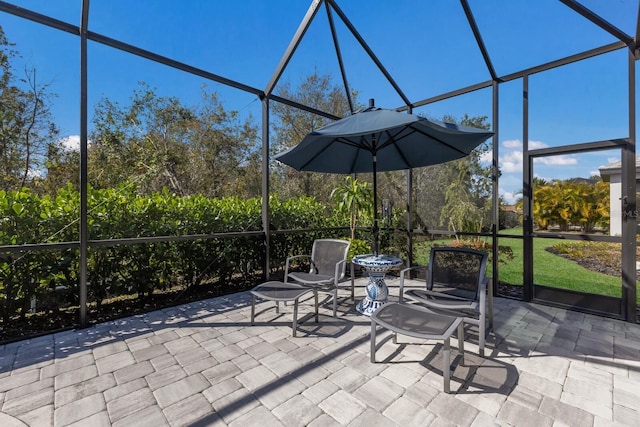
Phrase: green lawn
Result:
[549,269]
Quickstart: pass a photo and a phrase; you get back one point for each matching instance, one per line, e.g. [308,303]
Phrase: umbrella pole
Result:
[375,188]
[375,206]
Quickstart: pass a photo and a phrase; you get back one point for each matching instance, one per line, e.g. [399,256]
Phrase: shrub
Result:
[139,270]
[505,253]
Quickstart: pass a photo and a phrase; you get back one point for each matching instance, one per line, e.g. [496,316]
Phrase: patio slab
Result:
[204,364]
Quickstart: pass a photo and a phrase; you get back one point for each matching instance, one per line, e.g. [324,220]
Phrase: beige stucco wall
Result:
[615,194]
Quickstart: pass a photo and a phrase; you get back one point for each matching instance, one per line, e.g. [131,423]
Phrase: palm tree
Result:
[353,198]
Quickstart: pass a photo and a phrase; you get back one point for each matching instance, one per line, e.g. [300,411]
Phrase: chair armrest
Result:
[490,290]
[403,273]
[483,284]
[482,297]
[451,302]
[337,276]
[286,267]
[435,299]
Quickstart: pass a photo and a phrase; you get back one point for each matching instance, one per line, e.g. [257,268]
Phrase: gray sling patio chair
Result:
[328,261]
[456,286]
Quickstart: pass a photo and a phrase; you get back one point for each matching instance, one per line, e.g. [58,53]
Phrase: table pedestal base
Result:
[377,291]
[377,295]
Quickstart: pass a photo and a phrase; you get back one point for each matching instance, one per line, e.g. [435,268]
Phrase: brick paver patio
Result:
[203,364]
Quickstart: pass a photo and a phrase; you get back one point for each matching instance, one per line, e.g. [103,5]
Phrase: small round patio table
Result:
[376,267]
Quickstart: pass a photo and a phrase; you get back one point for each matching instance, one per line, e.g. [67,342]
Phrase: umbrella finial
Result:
[372,103]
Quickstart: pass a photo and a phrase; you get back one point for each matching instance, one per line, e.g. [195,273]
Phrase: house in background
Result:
[612,173]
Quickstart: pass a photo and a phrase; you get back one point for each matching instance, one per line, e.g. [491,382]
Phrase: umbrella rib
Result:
[392,141]
[312,158]
[338,140]
[354,162]
[453,147]
[349,142]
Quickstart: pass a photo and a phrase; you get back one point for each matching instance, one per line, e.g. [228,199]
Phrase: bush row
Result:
[51,277]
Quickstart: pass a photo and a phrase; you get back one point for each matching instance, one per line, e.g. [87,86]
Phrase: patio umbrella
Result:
[376,139]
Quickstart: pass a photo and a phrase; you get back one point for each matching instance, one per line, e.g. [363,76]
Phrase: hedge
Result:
[50,277]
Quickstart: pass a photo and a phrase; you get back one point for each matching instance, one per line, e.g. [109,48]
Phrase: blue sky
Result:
[427,47]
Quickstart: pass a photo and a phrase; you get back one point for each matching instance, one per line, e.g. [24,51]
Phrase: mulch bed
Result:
[63,319]
[42,323]
[590,263]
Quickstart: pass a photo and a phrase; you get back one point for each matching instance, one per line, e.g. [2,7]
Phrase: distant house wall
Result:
[615,209]
[612,173]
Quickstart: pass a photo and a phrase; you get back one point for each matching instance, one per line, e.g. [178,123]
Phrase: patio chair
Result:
[456,286]
[328,261]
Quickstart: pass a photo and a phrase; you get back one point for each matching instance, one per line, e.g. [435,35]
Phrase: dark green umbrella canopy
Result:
[376,139]
[400,141]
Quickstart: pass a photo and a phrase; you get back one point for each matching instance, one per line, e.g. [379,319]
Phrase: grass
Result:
[549,269]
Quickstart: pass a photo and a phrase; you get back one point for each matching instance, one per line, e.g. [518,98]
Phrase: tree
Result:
[227,149]
[291,125]
[593,205]
[157,142]
[353,198]
[467,196]
[551,205]
[573,202]
[536,183]
[461,211]
[26,126]
[62,167]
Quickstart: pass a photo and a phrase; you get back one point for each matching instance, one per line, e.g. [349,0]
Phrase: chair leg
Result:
[335,301]
[461,340]
[253,309]
[373,341]
[295,317]
[490,304]
[446,365]
[353,285]
[482,332]
[315,295]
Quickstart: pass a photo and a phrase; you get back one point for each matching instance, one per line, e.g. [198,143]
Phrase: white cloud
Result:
[561,160]
[512,143]
[486,157]
[71,143]
[510,197]
[511,162]
[545,178]
[611,160]
[535,145]
[516,143]
[34,173]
